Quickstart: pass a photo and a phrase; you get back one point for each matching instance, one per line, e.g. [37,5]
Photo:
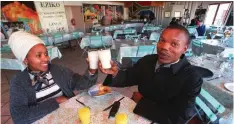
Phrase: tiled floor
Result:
[70,59]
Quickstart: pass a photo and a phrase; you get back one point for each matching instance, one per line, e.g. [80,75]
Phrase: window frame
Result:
[216,12]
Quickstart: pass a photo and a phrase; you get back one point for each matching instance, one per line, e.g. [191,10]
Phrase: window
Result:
[217,14]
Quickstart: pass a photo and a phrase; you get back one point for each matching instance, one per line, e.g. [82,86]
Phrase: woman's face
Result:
[37,58]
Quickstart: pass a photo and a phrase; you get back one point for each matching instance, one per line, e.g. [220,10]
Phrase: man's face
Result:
[37,58]
[172,44]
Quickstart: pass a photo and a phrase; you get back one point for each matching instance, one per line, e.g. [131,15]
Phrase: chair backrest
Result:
[58,37]
[212,101]
[220,108]
[129,31]
[189,52]
[206,109]
[154,36]
[45,39]
[145,50]
[75,35]
[111,28]
[192,30]
[197,42]
[95,41]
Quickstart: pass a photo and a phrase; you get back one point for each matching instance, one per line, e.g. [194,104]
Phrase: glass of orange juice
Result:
[121,118]
[84,115]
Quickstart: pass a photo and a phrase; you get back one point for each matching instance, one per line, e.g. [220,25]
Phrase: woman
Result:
[42,86]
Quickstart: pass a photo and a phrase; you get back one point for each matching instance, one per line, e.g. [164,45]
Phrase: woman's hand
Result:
[61,99]
[92,71]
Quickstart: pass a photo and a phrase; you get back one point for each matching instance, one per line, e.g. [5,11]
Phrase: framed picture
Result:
[177,14]
[167,14]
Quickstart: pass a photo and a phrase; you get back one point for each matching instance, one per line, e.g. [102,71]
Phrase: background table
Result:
[68,111]
[216,87]
[106,39]
[127,48]
[8,60]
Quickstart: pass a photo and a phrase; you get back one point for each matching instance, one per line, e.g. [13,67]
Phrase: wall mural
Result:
[21,11]
[95,12]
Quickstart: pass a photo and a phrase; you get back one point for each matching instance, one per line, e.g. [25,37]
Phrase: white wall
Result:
[126,13]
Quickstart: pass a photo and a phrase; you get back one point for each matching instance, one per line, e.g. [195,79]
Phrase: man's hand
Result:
[61,99]
[136,97]
[92,71]
[113,70]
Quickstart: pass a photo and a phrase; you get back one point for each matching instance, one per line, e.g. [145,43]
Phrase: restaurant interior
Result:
[131,30]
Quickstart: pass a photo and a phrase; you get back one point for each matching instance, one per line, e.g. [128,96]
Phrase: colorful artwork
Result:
[25,12]
[95,12]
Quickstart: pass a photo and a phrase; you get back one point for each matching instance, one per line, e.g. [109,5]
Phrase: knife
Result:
[81,103]
[213,78]
[114,109]
[113,104]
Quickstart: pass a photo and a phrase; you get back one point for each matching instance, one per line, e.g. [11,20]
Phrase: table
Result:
[127,48]
[67,112]
[151,28]
[50,39]
[216,43]
[8,60]
[116,32]
[138,26]
[85,42]
[216,87]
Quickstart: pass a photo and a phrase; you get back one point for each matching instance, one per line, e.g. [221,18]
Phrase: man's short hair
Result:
[181,28]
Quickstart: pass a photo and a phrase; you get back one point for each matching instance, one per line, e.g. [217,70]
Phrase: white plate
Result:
[229,86]
[95,90]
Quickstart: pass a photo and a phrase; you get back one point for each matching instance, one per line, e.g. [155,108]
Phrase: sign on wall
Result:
[52,16]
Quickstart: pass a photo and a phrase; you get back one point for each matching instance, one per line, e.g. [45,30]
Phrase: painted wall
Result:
[79,3]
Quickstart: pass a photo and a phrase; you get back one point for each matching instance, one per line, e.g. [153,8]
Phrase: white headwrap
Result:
[21,42]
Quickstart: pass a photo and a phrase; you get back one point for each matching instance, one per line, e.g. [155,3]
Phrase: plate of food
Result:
[229,86]
[99,90]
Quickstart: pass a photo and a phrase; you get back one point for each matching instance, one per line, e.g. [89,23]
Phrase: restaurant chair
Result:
[189,52]
[58,38]
[95,41]
[131,31]
[141,52]
[197,47]
[111,28]
[45,39]
[209,105]
[75,35]
[154,36]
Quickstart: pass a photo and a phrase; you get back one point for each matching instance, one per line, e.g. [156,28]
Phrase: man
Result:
[173,21]
[167,82]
